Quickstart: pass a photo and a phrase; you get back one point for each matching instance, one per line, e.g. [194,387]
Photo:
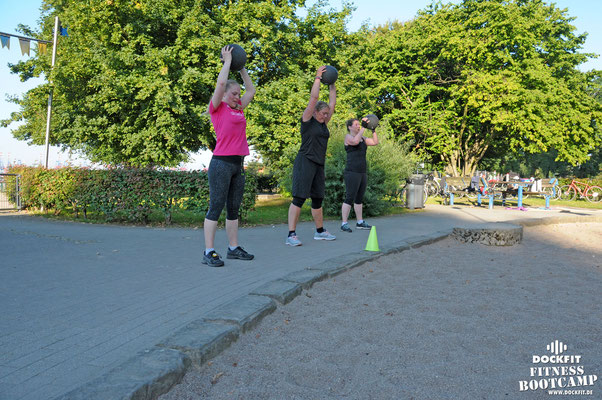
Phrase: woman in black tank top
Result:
[308,169]
[356,145]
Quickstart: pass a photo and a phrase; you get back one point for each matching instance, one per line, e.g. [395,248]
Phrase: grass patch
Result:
[274,211]
[270,211]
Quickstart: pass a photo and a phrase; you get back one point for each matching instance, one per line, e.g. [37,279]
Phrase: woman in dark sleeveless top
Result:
[355,172]
[308,169]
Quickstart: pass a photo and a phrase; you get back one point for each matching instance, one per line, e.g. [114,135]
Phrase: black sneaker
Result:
[239,253]
[345,228]
[212,259]
[363,225]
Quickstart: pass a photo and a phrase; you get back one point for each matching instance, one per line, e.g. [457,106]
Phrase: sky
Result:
[375,12]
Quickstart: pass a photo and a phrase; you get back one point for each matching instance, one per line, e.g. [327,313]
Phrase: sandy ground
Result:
[445,321]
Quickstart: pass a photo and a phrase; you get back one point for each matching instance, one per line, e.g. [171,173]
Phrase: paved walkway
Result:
[80,300]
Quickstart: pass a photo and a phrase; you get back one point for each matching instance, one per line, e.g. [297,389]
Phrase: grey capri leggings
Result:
[355,187]
[226,186]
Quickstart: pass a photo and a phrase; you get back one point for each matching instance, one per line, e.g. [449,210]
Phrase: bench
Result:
[548,190]
[461,186]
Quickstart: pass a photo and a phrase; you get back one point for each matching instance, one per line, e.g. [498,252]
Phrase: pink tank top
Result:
[230,130]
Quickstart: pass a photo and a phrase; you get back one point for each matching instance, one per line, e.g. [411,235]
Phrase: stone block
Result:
[306,277]
[495,234]
[246,311]
[201,340]
[282,291]
[144,376]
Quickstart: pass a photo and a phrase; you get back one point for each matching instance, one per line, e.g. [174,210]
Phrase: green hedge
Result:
[121,194]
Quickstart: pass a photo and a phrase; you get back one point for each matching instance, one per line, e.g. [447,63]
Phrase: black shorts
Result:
[308,178]
[355,187]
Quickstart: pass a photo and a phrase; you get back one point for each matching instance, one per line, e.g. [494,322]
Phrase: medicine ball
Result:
[330,75]
[372,122]
[239,57]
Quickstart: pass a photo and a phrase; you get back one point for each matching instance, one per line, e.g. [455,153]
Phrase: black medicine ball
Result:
[372,122]
[330,75]
[239,57]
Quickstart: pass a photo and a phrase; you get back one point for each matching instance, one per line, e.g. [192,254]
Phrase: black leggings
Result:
[355,187]
[226,187]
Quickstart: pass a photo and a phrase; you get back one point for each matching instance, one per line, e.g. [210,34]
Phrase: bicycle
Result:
[432,185]
[591,193]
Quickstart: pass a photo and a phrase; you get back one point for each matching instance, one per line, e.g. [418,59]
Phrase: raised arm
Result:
[314,95]
[351,140]
[332,100]
[373,141]
[249,88]
[222,78]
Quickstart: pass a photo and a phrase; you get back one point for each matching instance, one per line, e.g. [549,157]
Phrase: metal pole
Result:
[56,31]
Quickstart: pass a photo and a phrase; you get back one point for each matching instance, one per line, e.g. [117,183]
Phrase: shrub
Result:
[266,179]
[121,194]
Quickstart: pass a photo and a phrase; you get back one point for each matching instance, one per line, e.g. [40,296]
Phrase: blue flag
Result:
[5,41]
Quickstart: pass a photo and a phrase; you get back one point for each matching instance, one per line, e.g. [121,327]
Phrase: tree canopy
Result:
[482,78]
[133,79]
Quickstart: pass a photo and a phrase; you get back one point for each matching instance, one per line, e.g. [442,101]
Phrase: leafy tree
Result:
[301,47]
[483,77]
[545,165]
[133,78]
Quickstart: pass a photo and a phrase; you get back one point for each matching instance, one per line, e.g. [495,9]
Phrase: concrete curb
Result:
[245,312]
[306,277]
[568,219]
[155,371]
[145,376]
[201,340]
[280,290]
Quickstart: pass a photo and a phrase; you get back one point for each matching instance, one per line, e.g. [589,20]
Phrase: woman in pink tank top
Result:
[226,170]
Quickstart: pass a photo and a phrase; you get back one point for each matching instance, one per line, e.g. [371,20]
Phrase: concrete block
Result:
[282,291]
[418,241]
[330,267]
[394,248]
[493,234]
[356,259]
[144,376]
[201,341]
[306,277]
[434,237]
[246,311]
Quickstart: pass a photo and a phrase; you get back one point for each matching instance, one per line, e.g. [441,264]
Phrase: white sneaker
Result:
[293,241]
[324,236]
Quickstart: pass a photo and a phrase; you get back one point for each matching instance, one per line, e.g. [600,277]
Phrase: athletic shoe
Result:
[363,225]
[293,241]
[212,259]
[239,253]
[324,236]
[345,228]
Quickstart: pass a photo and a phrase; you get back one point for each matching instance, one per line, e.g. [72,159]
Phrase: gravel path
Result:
[444,321]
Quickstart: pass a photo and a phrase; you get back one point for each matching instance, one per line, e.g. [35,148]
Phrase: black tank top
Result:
[356,157]
[314,140]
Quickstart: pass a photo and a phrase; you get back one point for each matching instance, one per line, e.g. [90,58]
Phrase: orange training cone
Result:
[372,244]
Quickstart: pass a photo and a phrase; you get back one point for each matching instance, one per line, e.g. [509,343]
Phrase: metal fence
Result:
[10,192]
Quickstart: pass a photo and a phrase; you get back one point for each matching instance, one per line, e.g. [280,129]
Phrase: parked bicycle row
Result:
[506,186]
